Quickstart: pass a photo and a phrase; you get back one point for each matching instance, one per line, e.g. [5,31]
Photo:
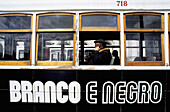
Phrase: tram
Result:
[44,50]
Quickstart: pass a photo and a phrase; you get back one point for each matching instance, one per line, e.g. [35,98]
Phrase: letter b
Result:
[15,95]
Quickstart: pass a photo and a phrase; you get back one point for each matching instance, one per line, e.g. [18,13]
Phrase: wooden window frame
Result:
[144,30]
[99,28]
[143,63]
[57,29]
[65,30]
[18,31]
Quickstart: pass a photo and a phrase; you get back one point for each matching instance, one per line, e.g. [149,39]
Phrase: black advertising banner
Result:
[85,90]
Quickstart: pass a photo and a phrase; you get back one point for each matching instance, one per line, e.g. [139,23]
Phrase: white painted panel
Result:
[79,4]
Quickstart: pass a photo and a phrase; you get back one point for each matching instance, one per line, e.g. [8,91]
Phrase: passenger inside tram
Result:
[115,58]
[88,45]
[101,54]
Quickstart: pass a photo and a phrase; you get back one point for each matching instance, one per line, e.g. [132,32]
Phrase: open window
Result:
[144,39]
[15,39]
[56,39]
[96,26]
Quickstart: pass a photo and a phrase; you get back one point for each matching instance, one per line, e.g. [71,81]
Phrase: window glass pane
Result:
[15,46]
[55,47]
[111,43]
[143,47]
[143,21]
[99,21]
[15,22]
[55,21]
[132,54]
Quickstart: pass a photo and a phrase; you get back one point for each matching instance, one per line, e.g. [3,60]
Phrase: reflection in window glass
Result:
[143,47]
[113,43]
[55,47]
[143,21]
[99,21]
[15,46]
[55,21]
[15,22]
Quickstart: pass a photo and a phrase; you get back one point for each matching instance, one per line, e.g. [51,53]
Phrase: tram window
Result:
[15,39]
[144,39]
[99,21]
[55,47]
[143,21]
[103,27]
[55,21]
[56,39]
[15,22]
[15,46]
[143,47]
[87,45]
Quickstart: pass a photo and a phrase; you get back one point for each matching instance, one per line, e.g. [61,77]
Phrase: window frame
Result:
[15,62]
[99,28]
[17,30]
[127,30]
[58,30]
[144,30]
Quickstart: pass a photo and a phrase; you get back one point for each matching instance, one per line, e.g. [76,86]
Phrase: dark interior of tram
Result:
[85,49]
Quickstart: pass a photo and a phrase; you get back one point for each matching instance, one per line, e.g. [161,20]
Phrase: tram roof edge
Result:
[41,5]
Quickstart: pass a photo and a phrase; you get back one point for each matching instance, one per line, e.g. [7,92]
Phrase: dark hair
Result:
[115,53]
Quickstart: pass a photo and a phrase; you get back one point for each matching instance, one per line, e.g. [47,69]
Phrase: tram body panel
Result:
[85,88]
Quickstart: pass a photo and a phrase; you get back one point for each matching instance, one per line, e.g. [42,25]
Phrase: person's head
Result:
[99,43]
[115,53]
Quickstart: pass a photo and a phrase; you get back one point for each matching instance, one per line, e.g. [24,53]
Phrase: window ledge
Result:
[88,67]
